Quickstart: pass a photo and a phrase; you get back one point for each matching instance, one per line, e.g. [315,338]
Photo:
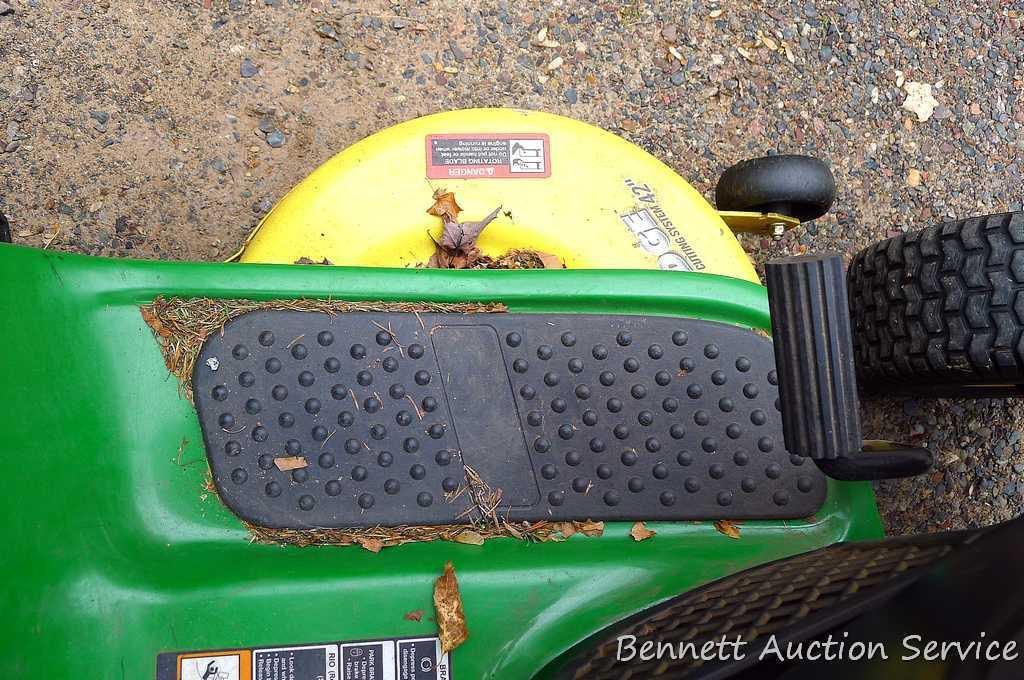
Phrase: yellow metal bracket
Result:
[768,224]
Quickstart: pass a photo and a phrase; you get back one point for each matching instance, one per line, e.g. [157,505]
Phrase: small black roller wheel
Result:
[796,186]
[941,311]
[5,230]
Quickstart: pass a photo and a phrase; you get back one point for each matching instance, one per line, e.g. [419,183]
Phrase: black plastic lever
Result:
[817,379]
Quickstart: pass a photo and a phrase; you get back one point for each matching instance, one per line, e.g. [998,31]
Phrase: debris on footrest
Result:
[374,545]
[286,463]
[728,528]
[640,532]
[451,619]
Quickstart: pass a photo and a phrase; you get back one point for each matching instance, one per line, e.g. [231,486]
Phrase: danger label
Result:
[386,659]
[471,156]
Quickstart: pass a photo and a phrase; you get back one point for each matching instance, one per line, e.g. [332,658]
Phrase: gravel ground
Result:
[164,130]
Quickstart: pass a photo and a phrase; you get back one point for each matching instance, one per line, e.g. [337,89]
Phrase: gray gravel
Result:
[167,130]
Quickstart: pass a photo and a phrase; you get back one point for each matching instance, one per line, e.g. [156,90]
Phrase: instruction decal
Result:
[384,659]
[488,156]
[655,232]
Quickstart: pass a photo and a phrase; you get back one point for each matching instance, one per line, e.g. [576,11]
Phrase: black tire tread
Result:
[941,306]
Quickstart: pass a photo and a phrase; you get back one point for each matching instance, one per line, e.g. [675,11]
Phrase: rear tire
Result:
[942,307]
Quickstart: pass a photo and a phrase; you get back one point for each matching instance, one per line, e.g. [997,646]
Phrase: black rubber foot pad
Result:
[571,416]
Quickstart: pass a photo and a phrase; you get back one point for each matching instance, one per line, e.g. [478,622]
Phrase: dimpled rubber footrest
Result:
[570,416]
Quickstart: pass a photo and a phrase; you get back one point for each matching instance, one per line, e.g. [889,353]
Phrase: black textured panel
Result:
[578,416]
[793,598]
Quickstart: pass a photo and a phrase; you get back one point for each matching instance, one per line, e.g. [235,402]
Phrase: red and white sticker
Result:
[489,155]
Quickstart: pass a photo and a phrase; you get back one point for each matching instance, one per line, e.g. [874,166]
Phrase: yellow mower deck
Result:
[566,188]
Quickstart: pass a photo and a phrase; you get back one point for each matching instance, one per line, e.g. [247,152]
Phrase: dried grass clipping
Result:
[182,325]
[451,619]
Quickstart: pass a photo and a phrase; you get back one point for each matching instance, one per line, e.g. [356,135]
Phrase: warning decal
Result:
[387,659]
[230,665]
[492,155]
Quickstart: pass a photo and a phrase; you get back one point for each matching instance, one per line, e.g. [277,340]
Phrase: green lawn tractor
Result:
[526,411]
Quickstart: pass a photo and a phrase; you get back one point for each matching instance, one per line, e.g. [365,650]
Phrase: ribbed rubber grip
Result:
[814,356]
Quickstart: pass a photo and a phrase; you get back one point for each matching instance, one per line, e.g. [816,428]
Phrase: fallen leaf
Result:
[727,527]
[372,544]
[914,177]
[451,619]
[414,615]
[551,261]
[640,532]
[590,528]
[769,42]
[567,529]
[153,322]
[469,537]
[919,100]
[746,54]
[286,463]
[445,206]
[462,235]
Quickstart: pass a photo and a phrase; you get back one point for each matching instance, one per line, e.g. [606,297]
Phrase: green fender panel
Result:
[114,552]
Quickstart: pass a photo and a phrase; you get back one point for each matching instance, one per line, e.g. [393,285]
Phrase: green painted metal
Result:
[113,551]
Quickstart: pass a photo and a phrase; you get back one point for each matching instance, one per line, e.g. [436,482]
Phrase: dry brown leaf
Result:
[445,206]
[640,532]
[451,619]
[414,615]
[286,463]
[372,544]
[469,537]
[567,529]
[728,527]
[590,528]
[551,261]
[462,236]
[153,322]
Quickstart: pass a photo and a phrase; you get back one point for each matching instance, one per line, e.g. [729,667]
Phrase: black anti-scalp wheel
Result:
[796,186]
